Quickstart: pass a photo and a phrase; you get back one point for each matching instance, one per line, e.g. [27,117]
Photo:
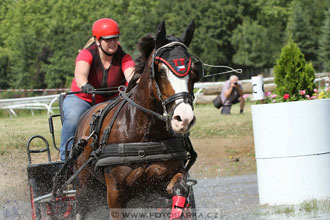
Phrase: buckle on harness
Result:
[141,153]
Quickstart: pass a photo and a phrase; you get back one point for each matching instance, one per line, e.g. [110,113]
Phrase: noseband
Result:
[185,96]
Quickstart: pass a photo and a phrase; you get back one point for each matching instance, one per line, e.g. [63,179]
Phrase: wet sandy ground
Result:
[231,197]
[234,197]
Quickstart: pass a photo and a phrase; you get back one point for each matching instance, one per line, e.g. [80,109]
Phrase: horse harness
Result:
[114,154]
[104,154]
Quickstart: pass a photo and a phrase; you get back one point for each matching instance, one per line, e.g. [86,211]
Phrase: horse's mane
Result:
[145,45]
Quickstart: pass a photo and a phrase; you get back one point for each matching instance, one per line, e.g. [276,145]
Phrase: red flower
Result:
[286,96]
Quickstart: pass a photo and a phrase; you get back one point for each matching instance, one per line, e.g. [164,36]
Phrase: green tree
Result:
[292,73]
[24,31]
[252,45]
[301,30]
[4,64]
[40,39]
[136,19]
[305,26]
[68,30]
[274,15]
[215,22]
[324,50]
[4,51]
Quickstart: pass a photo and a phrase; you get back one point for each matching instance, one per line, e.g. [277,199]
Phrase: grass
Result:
[16,131]
[224,143]
[311,208]
[210,123]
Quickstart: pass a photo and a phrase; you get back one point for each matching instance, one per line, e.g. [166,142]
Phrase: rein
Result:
[122,94]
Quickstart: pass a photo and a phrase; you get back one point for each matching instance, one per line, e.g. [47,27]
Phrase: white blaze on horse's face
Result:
[183,117]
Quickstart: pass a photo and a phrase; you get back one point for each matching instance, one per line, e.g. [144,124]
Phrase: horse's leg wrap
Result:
[180,205]
[177,206]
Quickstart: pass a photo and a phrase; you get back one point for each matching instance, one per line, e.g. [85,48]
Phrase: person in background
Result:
[232,93]
[102,64]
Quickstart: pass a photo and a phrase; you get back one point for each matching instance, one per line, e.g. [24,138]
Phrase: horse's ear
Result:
[161,35]
[188,34]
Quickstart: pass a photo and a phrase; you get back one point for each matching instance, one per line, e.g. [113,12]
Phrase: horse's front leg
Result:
[179,190]
[114,179]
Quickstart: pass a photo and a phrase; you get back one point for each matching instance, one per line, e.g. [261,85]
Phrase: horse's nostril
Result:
[178,118]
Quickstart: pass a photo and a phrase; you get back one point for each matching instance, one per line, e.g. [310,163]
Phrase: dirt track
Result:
[215,158]
[224,197]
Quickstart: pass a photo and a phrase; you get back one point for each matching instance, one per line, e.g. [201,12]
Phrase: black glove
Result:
[87,88]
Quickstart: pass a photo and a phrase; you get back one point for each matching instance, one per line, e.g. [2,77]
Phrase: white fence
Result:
[46,102]
[37,102]
[202,85]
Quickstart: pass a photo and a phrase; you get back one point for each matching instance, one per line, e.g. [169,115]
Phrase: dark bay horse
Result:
[138,144]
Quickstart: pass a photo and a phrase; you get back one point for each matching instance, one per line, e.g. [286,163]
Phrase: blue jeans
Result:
[73,108]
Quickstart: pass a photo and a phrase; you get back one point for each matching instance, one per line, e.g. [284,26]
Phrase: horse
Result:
[139,143]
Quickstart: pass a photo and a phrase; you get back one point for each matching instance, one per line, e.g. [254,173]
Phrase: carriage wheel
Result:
[192,205]
[190,210]
[36,214]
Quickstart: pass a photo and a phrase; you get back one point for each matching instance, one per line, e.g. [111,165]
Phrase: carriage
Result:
[43,206]
[147,173]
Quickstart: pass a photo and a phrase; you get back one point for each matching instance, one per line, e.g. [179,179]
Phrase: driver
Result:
[102,64]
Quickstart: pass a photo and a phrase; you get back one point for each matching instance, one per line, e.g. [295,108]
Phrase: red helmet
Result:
[105,28]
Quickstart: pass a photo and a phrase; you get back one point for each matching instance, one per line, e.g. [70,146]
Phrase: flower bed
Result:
[318,94]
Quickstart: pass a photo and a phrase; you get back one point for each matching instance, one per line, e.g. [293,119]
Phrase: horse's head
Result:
[174,76]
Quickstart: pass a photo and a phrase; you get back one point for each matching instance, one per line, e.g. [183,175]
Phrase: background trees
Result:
[39,39]
[324,51]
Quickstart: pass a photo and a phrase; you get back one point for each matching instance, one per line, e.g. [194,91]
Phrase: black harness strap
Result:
[104,112]
[187,98]
[107,131]
[142,149]
[130,101]
[116,154]
[192,155]
[98,118]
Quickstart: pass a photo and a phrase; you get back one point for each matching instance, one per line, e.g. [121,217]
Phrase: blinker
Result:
[177,59]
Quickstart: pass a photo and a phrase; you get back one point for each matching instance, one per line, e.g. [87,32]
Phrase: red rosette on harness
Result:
[176,59]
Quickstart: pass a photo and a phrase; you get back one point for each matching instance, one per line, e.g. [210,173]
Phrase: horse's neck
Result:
[143,92]
[144,96]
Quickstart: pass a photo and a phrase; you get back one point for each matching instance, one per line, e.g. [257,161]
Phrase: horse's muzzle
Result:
[183,118]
